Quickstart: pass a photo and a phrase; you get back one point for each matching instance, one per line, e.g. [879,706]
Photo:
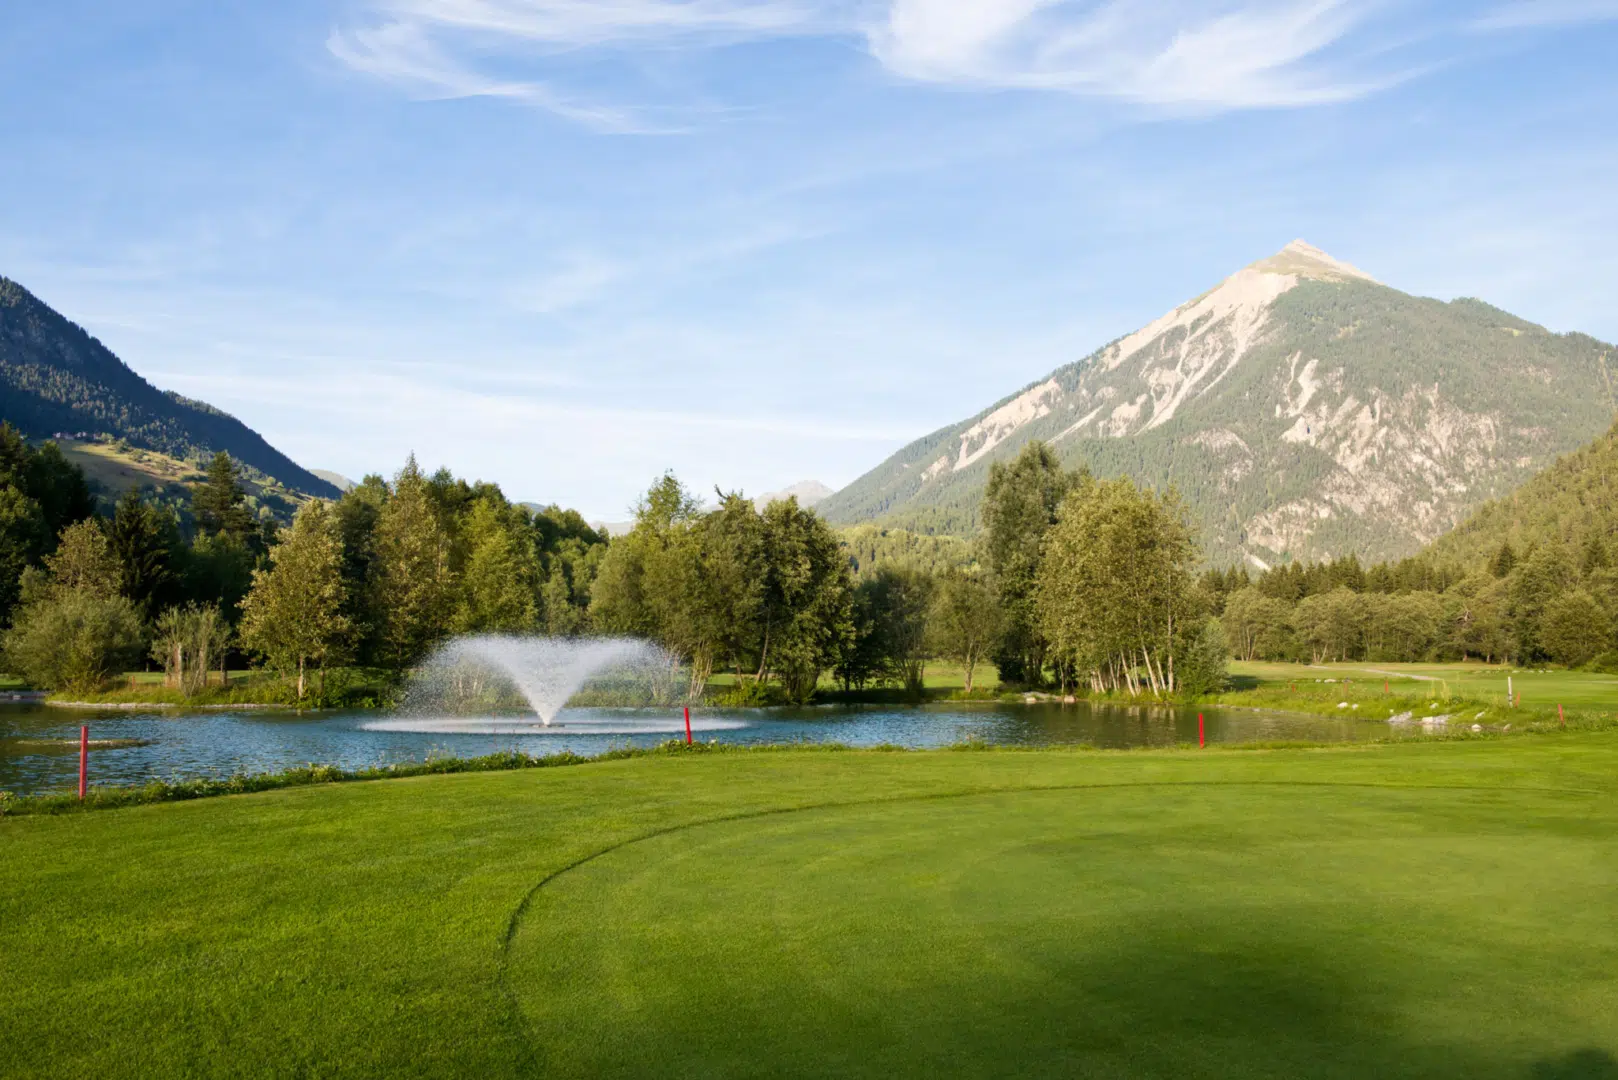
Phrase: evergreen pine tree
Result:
[145,540]
[219,500]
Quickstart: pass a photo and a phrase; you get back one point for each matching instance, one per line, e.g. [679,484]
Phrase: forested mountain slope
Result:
[54,377]
[1570,503]
[1303,409]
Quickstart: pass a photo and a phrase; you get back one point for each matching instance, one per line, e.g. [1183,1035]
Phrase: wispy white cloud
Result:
[405,53]
[1526,14]
[1255,54]
[574,23]
[1223,55]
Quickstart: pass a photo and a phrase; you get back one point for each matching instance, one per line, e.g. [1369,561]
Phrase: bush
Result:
[751,695]
[1205,663]
[73,639]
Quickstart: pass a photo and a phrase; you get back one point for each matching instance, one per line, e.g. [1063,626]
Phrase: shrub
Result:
[73,639]
[750,695]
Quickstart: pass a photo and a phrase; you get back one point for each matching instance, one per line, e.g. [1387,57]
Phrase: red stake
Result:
[84,759]
[1202,737]
[1387,687]
[688,725]
[1559,715]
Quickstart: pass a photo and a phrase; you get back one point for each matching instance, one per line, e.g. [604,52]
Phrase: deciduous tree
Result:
[294,613]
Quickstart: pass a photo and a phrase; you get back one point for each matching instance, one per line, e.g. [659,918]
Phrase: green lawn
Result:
[1430,909]
[1477,682]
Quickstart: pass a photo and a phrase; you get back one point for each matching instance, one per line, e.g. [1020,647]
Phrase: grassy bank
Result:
[343,688]
[1379,689]
[1431,909]
[1483,683]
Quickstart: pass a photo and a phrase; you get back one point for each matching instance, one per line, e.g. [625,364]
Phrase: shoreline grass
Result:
[112,797]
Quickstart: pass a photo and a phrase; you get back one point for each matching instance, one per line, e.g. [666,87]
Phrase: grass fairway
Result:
[1430,909]
[1473,681]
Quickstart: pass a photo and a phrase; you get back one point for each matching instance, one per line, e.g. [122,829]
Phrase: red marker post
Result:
[688,725]
[1559,715]
[84,759]
[1202,736]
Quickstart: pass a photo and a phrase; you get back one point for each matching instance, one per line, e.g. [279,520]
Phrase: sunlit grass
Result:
[1433,909]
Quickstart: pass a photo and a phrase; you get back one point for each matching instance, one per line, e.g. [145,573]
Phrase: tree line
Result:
[376,578]
[1553,602]
[1074,584]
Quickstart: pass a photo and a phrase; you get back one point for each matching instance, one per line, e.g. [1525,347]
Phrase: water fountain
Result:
[516,684]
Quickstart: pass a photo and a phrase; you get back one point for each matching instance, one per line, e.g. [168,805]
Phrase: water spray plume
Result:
[513,684]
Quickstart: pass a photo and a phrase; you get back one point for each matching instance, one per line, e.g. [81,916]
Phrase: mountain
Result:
[807,492]
[335,479]
[57,379]
[1570,503]
[1304,410]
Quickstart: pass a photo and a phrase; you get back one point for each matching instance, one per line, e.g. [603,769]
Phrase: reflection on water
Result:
[38,745]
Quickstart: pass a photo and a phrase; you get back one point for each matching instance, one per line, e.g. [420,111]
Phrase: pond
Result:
[39,744]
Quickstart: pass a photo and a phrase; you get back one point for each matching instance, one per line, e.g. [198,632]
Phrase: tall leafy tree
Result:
[1575,628]
[563,617]
[620,601]
[1115,594]
[1020,504]
[901,603]
[355,518]
[1332,624]
[1255,624]
[294,613]
[965,620]
[412,583]
[804,597]
[500,579]
[1541,576]
[84,560]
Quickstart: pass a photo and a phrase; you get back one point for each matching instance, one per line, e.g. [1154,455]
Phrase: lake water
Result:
[39,744]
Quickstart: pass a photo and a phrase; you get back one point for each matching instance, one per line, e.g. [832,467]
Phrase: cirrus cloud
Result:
[1183,54]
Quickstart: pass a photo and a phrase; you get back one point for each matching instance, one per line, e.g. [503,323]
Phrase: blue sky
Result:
[565,244]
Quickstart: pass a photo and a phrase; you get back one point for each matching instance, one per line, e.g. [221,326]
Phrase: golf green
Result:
[1437,909]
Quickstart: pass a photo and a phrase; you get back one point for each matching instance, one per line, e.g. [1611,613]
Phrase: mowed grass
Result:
[1431,909]
[1472,681]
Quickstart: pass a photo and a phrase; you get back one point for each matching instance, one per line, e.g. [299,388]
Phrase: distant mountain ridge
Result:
[56,379]
[807,492]
[335,479]
[1304,409]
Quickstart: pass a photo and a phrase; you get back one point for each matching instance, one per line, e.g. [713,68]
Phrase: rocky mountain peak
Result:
[1302,259]
[1302,408]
